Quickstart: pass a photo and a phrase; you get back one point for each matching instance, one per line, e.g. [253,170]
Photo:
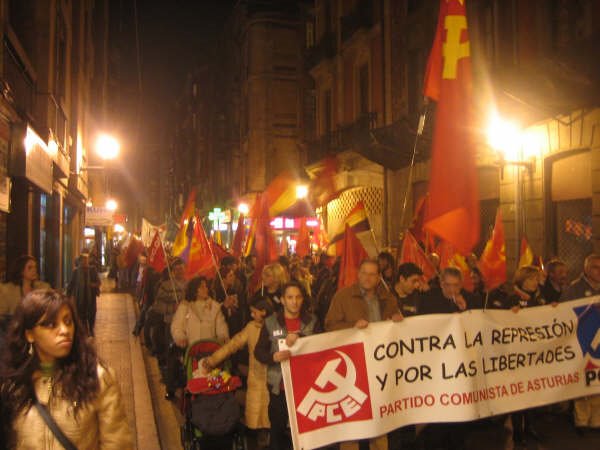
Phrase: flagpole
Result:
[420,128]
[168,269]
[376,249]
[214,261]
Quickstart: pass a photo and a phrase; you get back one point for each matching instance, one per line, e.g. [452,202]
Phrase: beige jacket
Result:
[348,306]
[11,295]
[257,395]
[100,425]
[198,320]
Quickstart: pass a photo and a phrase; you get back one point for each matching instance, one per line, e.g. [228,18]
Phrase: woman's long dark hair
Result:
[76,377]
[15,275]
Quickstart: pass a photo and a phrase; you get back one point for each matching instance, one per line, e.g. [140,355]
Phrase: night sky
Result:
[173,38]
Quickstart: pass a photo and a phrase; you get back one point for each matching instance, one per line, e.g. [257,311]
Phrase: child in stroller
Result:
[211,411]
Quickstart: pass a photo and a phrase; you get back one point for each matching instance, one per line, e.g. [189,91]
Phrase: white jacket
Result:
[197,320]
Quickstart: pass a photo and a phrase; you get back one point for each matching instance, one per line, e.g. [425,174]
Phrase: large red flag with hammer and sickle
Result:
[453,210]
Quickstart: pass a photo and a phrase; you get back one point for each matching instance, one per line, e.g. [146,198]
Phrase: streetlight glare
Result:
[107,147]
[111,205]
[301,191]
[504,136]
[243,208]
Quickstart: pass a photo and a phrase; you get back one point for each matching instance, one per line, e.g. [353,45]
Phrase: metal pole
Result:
[420,128]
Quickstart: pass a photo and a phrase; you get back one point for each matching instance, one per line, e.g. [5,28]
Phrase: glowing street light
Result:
[301,191]
[107,146]
[111,205]
[243,208]
[505,137]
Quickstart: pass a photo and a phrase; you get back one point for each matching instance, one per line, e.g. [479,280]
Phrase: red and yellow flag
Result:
[453,210]
[183,238]
[492,263]
[525,254]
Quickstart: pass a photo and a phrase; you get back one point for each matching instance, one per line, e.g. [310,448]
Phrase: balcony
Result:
[360,17]
[390,146]
[324,49]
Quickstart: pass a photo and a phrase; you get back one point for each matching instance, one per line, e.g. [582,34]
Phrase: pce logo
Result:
[588,334]
[331,387]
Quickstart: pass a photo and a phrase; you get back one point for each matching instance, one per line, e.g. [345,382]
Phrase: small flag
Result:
[525,253]
[493,259]
[156,254]
[352,255]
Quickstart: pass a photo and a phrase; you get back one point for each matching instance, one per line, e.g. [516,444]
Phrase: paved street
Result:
[116,346]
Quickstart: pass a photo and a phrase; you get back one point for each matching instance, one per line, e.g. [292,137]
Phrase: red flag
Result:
[200,261]
[134,248]
[453,212]
[219,252]
[412,252]
[492,263]
[303,241]
[353,253]
[156,254]
[264,242]
[238,239]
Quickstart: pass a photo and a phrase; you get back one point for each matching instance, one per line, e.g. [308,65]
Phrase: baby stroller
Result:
[211,411]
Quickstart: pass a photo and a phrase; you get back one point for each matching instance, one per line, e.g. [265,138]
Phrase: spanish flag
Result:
[183,239]
[281,198]
[525,253]
[453,210]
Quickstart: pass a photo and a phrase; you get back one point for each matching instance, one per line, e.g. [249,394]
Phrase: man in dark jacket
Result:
[290,323]
[556,280]
[450,297]
[84,287]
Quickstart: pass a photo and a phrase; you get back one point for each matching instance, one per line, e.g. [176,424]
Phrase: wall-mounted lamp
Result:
[508,139]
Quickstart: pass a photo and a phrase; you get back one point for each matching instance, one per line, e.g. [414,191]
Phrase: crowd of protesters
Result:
[300,296]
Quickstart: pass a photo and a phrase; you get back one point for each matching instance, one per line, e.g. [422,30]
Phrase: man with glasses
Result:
[356,306]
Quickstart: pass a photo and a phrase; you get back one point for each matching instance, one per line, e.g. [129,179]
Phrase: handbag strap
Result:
[58,433]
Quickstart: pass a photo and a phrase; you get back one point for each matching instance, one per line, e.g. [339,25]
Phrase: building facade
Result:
[50,76]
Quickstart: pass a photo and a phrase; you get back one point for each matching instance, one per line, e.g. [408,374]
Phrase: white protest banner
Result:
[354,384]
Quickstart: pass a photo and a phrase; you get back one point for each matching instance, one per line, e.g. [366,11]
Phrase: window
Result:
[363,90]
[571,209]
[61,56]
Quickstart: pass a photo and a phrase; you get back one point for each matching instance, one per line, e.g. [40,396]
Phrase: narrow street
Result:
[121,351]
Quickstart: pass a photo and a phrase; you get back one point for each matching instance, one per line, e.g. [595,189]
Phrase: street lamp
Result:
[507,138]
[111,204]
[301,191]
[243,208]
[107,146]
